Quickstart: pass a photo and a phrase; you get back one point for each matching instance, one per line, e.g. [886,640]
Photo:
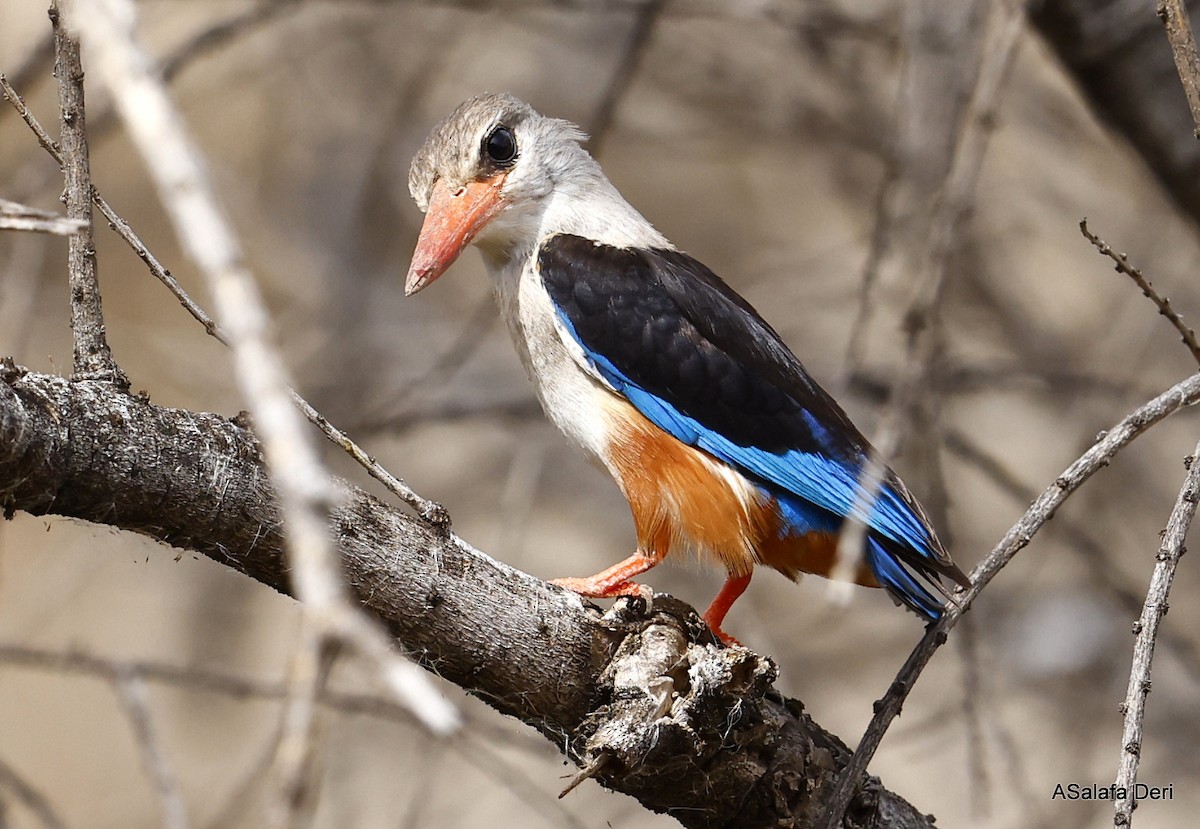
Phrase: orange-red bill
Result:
[451,222]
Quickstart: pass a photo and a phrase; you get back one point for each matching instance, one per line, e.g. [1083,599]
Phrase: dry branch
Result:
[1101,453]
[93,357]
[429,510]
[14,216]
[1164,305]
[177,167]
[1146,629]
[1174,16]
[531,650]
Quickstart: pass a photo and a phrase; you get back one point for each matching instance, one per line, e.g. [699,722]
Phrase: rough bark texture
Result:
[93,357]
[1121,59]
[685,726]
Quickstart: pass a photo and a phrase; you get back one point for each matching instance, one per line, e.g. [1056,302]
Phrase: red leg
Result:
[615,581]
[733,587]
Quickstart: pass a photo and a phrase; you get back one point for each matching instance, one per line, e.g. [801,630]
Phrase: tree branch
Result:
[93,357]
[715,745]
[1098,456]
[1146,628]
[1174,16]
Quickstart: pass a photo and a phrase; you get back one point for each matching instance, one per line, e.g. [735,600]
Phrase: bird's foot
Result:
[734,586]
[615,581]
[715,627]
[595,588]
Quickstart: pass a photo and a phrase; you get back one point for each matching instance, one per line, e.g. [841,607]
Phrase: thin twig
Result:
[15,216]
[132,692]
[1184,393]
[973,708]
[468,745]
[312,660]
[305,492]
[1101,567]
[93,357]
[431,511]
[221,32]
[627,68]
[1146,629]
[29,797]
[921,317]
[1175,19]
[1164,304]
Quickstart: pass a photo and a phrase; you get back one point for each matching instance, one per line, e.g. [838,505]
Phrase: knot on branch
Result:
[667,703]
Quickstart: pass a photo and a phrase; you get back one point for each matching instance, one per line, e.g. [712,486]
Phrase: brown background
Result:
[753,136]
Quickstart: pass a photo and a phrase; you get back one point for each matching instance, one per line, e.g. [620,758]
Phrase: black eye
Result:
[500,145]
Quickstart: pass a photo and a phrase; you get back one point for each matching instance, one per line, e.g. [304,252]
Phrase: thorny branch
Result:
[1164,305]
[1146,630]
[1101,567]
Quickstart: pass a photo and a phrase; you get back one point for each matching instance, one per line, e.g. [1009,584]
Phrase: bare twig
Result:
[14,216]
[923,339]
[1102,568]
[627,67]
[34,66]
[132,692]
[1164,304]
[312,660]
[30,798]
[934,43]
[1146,630]
[1184,393]
[220,33]
[93,357]
[431,511]
[973,708]
[305,495]
[468,745]
[1175,18]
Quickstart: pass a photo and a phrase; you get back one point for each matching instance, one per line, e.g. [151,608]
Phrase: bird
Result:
[713,430]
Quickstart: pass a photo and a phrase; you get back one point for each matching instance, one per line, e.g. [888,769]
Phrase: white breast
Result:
[571,394]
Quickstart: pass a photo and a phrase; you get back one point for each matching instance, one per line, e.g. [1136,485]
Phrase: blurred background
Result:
[798,149]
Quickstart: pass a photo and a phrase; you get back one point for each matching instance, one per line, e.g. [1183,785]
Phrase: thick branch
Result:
[690,728]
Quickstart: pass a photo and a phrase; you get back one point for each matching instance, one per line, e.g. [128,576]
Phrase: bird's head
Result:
[485,175]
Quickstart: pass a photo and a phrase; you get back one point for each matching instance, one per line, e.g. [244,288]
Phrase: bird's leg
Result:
[733,587]
[615,581]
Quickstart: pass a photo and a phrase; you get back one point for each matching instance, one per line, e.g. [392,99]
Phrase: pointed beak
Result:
[453,219]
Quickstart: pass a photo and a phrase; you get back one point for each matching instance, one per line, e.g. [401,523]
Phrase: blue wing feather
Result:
[824,480]
[697,361]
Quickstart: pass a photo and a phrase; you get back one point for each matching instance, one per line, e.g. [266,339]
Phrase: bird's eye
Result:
[500,145]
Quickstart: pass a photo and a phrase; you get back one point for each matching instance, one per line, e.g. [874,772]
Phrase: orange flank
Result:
[683,498]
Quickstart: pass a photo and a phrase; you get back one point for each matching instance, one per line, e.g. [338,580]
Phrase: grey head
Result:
[498,173]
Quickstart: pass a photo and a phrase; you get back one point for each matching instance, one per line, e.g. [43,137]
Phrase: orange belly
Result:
[683,498]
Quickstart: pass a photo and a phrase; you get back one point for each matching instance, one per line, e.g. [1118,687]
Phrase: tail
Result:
[912,579]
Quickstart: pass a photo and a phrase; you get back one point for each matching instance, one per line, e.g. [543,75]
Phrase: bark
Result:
[642,694]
